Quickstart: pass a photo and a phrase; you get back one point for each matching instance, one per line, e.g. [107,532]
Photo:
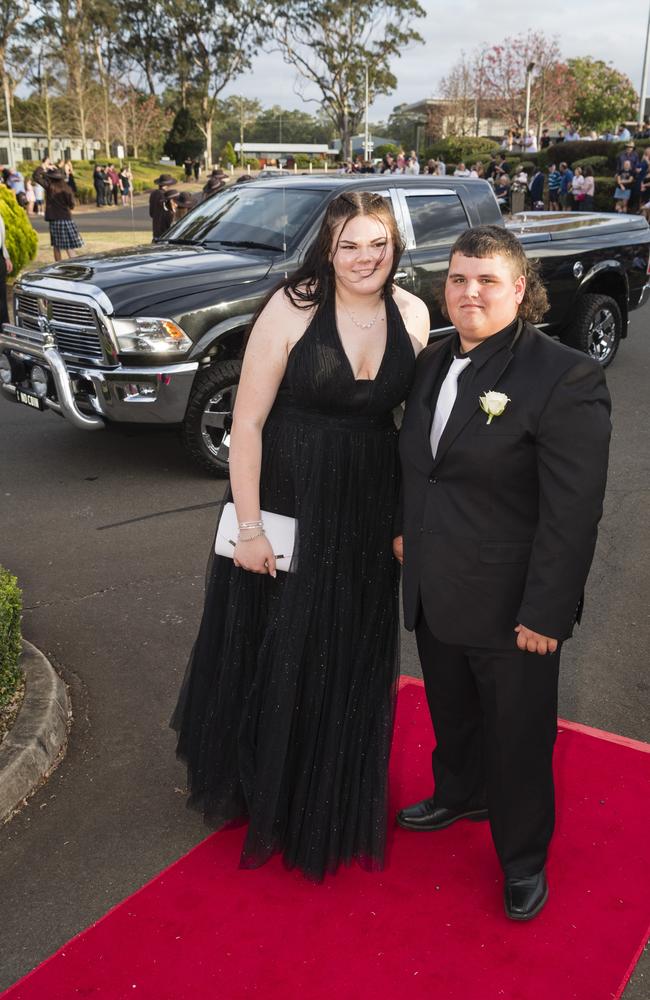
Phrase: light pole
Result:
[529,76]
[644,74]
[366,137]
[241,132]
[12,158]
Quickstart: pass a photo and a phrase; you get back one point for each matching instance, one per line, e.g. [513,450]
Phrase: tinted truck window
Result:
[436,219]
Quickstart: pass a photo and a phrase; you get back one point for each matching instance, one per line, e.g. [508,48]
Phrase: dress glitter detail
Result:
[285,715]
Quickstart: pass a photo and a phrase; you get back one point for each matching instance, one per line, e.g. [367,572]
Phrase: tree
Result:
[185,138]
[227,155]
[276,124]
[219,40]
[504,71]
[403,126]
[144,37]
[45,112]
[331,43]
[139,121]
[11,17]
[604,97]
[68,23]
[460,92]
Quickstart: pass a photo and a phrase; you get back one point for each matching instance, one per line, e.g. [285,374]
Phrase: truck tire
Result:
[208,418]
[597,328]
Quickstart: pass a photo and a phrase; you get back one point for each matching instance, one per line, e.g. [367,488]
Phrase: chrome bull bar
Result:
[42,347]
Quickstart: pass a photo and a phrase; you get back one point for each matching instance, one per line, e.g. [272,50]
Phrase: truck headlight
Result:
[147,335]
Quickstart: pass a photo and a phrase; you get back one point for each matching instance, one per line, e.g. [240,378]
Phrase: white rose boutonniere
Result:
[493,403]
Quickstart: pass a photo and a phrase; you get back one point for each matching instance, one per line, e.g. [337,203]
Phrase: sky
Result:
[584,27]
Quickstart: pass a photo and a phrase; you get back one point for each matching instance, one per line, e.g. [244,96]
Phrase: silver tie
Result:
[446,400]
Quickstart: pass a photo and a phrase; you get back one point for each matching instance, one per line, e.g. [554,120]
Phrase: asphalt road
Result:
[108,534]
[107,219]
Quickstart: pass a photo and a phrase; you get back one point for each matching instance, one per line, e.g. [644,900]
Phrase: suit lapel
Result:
[478,381]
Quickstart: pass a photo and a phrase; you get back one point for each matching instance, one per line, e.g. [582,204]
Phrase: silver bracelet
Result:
[250,538]
[251,524]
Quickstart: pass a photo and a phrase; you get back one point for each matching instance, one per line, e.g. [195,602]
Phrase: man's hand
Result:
[9,265]
[530,641]
[398,548]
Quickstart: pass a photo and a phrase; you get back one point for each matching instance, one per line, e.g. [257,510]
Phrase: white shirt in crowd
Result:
[462,173]
[577,184]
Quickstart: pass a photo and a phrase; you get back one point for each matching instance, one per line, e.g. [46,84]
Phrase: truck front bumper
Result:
[89,397]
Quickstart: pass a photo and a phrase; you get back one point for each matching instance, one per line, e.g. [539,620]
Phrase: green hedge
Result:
[22,241]
[604,196]
[597,163]
[468,148]
[10,638]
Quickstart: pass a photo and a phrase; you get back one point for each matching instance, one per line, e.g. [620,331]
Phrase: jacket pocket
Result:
[504,552]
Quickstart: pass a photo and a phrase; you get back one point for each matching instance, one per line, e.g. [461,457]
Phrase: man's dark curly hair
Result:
[488,241]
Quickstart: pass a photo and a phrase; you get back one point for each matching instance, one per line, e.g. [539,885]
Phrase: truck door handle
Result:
[400,275]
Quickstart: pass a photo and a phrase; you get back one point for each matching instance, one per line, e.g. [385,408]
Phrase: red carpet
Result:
[431,926]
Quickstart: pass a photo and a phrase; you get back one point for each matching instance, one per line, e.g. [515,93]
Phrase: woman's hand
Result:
[398,548]
[255,556]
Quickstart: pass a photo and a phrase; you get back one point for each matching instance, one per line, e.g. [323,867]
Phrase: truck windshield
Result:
[246,217]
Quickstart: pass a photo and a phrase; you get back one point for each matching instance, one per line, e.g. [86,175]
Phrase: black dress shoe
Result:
[426,815]
[525,897]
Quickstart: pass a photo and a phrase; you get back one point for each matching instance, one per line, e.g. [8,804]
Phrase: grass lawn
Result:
[93,243]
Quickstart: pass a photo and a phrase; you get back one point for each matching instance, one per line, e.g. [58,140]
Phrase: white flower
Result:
[493,403]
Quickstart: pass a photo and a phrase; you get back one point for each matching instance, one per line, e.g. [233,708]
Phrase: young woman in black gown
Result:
[285,716]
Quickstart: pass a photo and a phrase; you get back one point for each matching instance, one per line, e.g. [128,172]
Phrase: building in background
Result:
[34,146]
[282,152]
[441,118]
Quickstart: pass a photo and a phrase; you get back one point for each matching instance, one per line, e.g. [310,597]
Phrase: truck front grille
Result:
[73,325]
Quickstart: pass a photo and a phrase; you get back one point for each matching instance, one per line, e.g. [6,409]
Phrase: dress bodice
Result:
[319,376]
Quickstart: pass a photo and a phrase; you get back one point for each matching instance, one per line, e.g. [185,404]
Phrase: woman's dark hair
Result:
[313,282]
[56,183]
[588,172]
[488,241]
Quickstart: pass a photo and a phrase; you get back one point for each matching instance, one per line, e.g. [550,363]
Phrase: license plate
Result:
[30,399]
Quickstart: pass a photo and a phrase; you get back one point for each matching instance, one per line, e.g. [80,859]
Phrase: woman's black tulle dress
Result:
[285,715]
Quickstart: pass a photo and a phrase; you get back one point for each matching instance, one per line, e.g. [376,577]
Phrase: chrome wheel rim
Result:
[601,339]
[216,421]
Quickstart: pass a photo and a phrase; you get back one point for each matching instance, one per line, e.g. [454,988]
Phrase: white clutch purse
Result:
[280,531]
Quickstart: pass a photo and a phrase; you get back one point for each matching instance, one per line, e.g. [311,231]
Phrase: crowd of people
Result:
[566,188]
[517,141]
[167,205]
[112,186]
[573,188]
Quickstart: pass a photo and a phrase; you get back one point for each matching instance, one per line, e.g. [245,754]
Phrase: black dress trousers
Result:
[494,713]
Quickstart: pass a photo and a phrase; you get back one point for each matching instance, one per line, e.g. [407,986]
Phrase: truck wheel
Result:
[597,328]
[206,428]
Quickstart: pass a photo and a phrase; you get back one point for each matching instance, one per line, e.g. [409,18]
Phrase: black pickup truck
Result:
[154,334]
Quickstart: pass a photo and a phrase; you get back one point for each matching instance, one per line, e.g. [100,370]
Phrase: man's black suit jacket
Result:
[501,528]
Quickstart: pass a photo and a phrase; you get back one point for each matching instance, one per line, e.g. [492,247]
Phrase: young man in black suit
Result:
[504,449]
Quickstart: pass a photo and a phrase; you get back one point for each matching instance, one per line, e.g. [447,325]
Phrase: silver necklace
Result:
[362,326]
